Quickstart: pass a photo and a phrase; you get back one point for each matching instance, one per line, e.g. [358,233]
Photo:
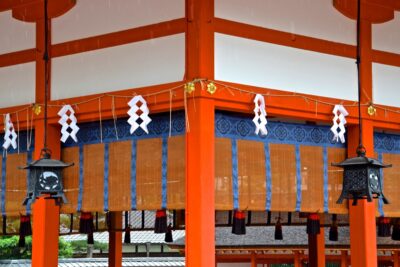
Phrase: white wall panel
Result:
[15,35]
[316,18]
[386,84]
[386,36]
[17,85]
[133,65]
[261,64]
[95,17]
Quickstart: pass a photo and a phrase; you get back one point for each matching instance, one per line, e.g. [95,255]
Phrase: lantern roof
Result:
[361,160]
[47,162]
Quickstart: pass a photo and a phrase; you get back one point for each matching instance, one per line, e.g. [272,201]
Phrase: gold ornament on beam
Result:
[371,110]
[189,87]
[211,88]
[37,109]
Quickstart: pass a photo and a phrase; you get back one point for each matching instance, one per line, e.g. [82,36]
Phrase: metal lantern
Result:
[362,178]
[45,177]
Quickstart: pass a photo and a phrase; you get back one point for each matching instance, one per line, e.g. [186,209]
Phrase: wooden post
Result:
[396,260]
[45,233]
[343,259]
[363,247]
[115,240]
[297,259]
[363,243]
[253,260]
[200,211]
[46,214]
[316,248]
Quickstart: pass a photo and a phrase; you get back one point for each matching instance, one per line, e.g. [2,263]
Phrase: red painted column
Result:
[45,230]
[253,260]
[297,259]
[115,240]
[396,260]
[316,248]
[343,259]
[45,212]
[363,246]
[200,211]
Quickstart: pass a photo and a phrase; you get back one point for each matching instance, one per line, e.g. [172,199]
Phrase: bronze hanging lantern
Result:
[45,177]
[362,175]
[361,178]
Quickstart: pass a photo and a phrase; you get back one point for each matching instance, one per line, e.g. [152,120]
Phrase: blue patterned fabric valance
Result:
[90,133]
[242,127]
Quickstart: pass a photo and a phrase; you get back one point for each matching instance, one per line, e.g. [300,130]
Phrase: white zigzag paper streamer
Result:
[339,121]
[68,121]
[260,115]
[137,104]
[10,136]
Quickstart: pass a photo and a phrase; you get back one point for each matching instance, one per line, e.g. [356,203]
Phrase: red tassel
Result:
[278,229]
[160,225]
[168,234]
[396,230]
[127,237]
[383,227]
[25,229]
[333,231]
[313,224]
[86,225]
[239,224]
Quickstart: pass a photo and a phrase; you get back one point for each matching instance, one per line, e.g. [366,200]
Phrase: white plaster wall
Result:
[15,35]
[386,36]
[284,68]
[95,17]
[316,18]
[386,84]
[145,63]
[17,85]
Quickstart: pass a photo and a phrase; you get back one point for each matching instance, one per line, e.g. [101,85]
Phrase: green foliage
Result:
[9,248]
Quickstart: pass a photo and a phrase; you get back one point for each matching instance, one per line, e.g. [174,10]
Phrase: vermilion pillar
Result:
[115,240]
[343,259]
[316,248]
[46,214]
[297,259]
[362,217]
[363,246]
[200,206]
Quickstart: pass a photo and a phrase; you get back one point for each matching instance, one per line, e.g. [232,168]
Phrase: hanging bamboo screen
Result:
[391,185]
[70,179]
[312,177]
[335,180]
[176,174]
[119,178]
[148,173]
[223,174]
[16,184]
[93,173]
[283,177]
[251,175]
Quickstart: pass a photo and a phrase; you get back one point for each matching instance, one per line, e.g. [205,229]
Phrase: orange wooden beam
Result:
[119,38]
[243,30]
[387,58]
[19,57]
